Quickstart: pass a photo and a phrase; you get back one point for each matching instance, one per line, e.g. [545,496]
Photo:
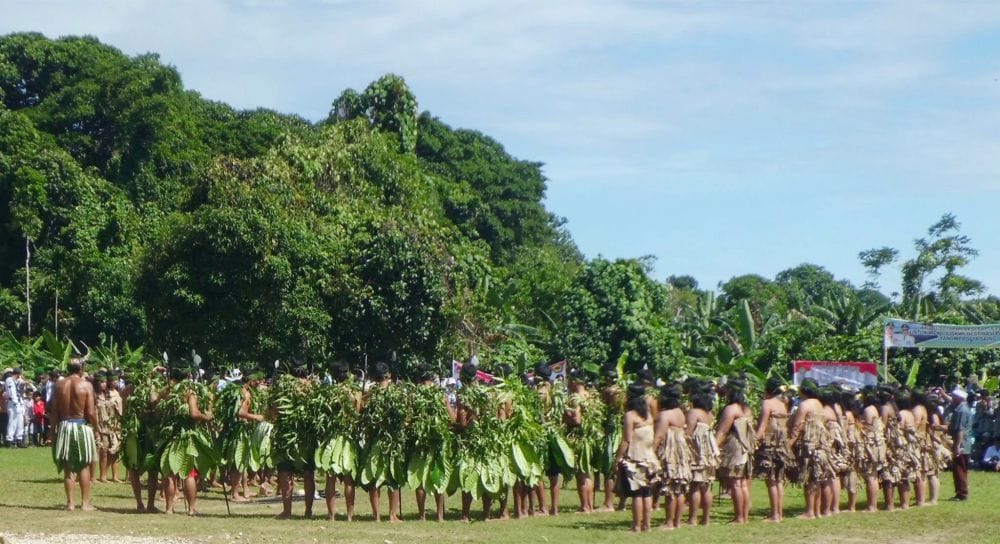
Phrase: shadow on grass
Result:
[60,508]
[42,481]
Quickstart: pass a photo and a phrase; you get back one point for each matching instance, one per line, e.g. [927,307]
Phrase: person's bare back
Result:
[75,400]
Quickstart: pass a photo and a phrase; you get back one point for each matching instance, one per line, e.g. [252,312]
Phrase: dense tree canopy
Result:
[133,209]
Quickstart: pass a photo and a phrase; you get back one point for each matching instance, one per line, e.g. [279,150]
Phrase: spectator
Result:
[991,459]
[4,416]
[16,410]
[960,430]
[50,388]
[39,428]
[982,425]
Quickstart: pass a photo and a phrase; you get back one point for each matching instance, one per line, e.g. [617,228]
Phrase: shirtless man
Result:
[341,375]
[543,385]
[74,417]
[427,379]
[188,482]
[237,478]
[613,398]
[574,417]
[382,377]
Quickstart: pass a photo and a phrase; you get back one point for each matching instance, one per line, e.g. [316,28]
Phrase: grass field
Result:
[31,502]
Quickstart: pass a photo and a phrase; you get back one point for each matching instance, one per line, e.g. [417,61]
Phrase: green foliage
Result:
[165,221]
[614,307]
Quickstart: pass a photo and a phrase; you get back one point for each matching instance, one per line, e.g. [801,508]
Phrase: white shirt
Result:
[13,395]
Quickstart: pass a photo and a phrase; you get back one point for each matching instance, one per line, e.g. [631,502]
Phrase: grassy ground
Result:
[31,501]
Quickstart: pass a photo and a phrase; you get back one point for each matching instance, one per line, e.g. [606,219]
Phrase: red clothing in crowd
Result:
[39,411]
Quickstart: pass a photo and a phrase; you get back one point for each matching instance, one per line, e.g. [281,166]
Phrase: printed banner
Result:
[854,374]
[456,368]
[560,371]
[907,334]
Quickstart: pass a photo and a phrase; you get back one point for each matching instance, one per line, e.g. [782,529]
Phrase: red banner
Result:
[855,374]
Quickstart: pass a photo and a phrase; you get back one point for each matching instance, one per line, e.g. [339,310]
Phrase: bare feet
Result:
[88,508]
[606,509]
[70,507]
[283,515]
[239,498]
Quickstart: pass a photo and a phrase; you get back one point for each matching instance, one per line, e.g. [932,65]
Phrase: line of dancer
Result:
[510,444]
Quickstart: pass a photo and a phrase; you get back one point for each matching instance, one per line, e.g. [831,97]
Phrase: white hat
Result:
[960,393]
[234,375]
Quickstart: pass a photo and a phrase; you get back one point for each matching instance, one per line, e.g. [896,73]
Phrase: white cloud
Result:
[696,100]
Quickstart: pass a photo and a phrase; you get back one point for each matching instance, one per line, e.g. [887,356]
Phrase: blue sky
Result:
[723,138]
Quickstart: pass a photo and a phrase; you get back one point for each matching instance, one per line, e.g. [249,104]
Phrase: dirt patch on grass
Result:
[42,538]
[925,538]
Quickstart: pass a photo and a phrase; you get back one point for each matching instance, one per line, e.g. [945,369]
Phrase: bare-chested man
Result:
[429,380]
[578,398]
[74,417]
[613,397]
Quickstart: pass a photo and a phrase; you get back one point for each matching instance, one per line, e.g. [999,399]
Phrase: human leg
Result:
[69,484]
[374,499]
[331,496]
[286,486]
[191,492]
[554,495]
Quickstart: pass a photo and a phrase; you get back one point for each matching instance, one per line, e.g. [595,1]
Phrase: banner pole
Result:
[885,361]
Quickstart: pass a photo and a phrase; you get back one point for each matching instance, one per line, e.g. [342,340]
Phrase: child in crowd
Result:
[39,428]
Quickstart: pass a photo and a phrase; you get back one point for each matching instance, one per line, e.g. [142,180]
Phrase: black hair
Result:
[885,393]
[809,388]
[930,401]
[504,370]
[829,395]
[577,374]
[610,374]
[179,373]
[468,373]
[339,371]
[644,376]
[300,371]
[380,371]
[74,367]
[543,371]
[736,391]
[670,397]
[635,399]
[702,401]
[772,387]
[904,400]
[869,397]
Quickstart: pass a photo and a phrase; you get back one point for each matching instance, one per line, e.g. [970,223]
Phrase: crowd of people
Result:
[507,443]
